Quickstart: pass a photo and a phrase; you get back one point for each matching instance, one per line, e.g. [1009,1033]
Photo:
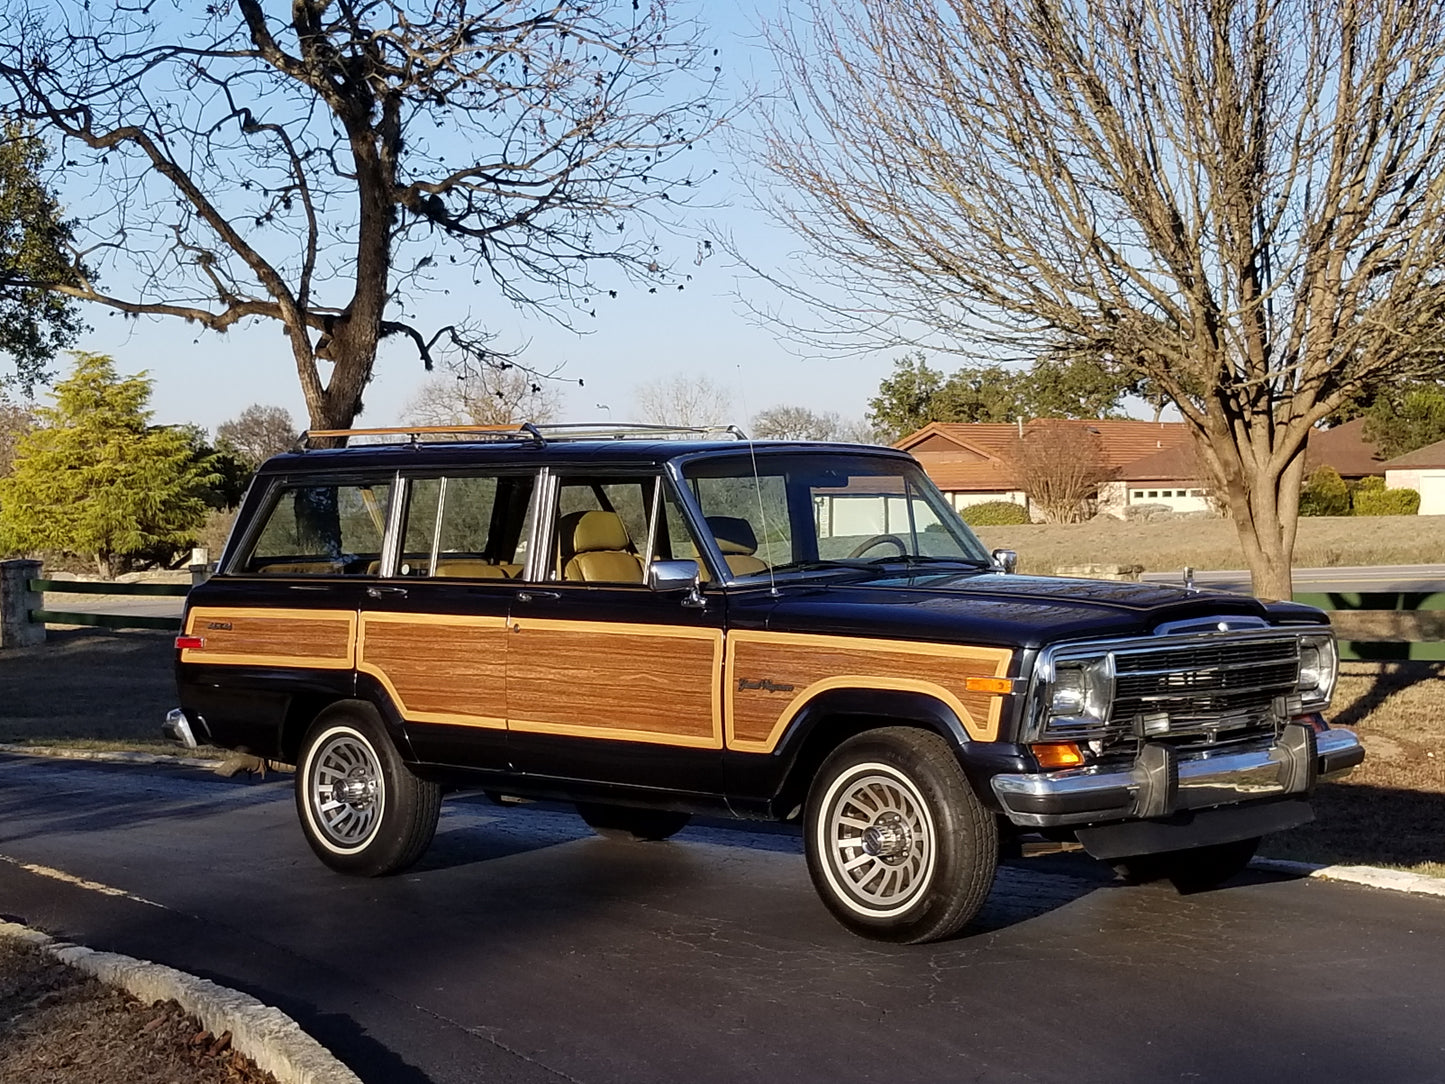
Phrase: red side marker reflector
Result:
[190,643]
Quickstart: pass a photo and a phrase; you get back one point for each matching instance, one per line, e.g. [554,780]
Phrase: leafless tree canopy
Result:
[800,423]
[1243,200]
[15,422]
[318,162]
[1060,465]
[485,396]
[683,400]
[258,433]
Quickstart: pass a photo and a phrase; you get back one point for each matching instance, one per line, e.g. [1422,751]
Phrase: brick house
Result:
[1143,462]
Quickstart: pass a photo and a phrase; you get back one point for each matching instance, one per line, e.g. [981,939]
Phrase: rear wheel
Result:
[1194,870]
[625,822]
[899,847]
[361,809]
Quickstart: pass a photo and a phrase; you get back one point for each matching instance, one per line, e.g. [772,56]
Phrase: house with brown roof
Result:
[976,462]
[1142,462]
[1422,470]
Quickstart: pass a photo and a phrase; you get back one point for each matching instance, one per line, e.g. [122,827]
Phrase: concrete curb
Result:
[264,1034]
[1392,880]
[108,756]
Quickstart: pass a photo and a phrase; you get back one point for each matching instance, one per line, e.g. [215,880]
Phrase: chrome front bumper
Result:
[1163,782]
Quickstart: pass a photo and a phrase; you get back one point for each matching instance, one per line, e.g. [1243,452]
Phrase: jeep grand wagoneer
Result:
[654,625]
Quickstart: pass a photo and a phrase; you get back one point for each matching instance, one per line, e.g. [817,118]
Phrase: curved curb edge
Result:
[264,1034]
[1393,880]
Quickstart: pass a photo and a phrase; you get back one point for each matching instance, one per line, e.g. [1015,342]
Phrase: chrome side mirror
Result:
[677,576]
[1006,561]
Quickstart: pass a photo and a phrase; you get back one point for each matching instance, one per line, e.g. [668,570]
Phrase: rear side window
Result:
[332,529]
[466,527]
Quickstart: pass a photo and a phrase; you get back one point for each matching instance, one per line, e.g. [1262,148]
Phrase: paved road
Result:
[524,950]
[1384,578]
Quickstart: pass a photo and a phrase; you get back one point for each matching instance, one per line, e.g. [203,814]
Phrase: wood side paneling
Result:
[243,636]
[439,669]
[627,682]
[772,676]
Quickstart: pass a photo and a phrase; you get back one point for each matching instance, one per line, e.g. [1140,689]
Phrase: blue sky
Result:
[206,378]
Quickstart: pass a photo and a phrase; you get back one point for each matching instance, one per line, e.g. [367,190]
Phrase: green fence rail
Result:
[108,621]
[1424,611]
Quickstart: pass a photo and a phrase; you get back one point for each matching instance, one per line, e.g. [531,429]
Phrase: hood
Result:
[982,608]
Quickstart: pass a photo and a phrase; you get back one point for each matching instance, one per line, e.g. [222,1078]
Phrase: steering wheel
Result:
[878,540]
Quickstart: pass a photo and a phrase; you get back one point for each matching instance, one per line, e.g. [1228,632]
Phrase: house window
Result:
[1153,493]
[1138,493]
[1196,492]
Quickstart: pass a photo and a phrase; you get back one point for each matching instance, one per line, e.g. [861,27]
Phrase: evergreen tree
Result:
[94,477]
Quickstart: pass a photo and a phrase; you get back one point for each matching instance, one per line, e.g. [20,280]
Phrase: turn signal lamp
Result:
[1063,754]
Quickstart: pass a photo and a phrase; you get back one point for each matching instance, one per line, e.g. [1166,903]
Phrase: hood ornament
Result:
[1189,578]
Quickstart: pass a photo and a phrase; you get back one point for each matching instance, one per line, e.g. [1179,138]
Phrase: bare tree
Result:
[1242,201]
[683,400]
[1059,465]
[488,396]
[320,167]
[258,433]
[800,423]
[795,423]
[15,422]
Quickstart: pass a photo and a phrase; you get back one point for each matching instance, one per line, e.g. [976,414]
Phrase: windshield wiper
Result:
[929,559]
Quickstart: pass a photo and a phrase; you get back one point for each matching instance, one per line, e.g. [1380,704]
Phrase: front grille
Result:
[1204,683]
[1186,689]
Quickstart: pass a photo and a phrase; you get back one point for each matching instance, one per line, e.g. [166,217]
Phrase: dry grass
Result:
[1391,810]
[1168,545]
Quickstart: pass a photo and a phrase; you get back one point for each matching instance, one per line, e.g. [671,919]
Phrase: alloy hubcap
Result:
[346,790]
[879,839]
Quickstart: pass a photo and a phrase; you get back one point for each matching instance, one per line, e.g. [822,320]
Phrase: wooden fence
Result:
[1371,626]
[109,621]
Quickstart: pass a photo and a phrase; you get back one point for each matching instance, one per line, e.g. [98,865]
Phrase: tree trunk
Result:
[1263,501]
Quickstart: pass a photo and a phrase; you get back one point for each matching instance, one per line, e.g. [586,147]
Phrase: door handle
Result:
[535,596]
[384,590]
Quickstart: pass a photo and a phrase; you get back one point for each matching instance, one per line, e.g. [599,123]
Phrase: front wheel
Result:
[361,809]
[1195,870]
[899,847]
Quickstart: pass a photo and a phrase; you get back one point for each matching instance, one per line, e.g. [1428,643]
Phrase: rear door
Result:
[609,681]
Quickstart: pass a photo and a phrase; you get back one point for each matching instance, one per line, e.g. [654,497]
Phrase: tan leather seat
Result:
[600,551]
[469,568]
[738,543]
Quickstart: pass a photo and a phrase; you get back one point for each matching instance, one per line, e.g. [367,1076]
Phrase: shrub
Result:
[1148,512]
[1387,502]
[1325,494]
[995,514]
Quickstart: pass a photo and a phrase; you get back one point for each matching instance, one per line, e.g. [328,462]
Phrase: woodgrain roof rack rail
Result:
[536,434]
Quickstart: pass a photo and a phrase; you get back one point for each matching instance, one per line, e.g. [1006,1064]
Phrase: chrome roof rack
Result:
[540,435]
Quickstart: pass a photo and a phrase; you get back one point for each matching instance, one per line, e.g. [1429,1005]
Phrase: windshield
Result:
[808,510]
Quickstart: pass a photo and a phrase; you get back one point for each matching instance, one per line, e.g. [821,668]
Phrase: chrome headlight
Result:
[1319,664]
[1079,694]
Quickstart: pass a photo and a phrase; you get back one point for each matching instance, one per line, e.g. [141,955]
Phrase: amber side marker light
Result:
[1058,755]
[1001,686]
[190,643]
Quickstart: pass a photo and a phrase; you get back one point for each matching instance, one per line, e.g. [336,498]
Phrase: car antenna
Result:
[757,481]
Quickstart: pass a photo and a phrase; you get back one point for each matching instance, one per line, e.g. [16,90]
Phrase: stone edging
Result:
[1393,880]
[264,1034]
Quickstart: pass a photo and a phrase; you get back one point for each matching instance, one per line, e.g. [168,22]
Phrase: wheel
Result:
[899,847]
[1192,870]
[879,540]
[625,822]
[362,810]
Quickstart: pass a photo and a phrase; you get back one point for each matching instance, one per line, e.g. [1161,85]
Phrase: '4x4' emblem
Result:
[763,684]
